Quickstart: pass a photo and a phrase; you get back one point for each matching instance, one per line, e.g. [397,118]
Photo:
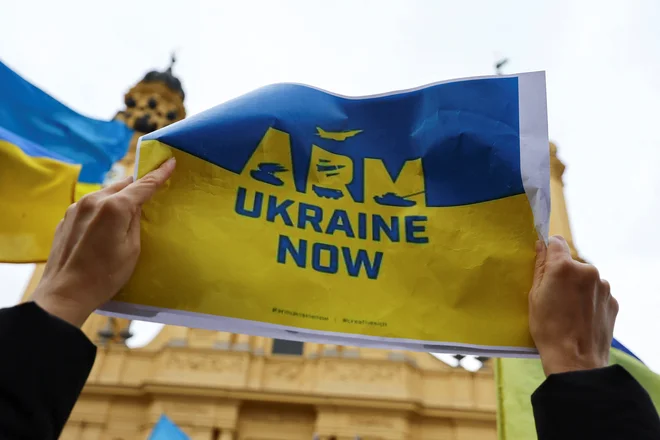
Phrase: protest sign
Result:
[404,220]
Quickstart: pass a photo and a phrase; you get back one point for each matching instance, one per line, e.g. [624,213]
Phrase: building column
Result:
[330,350]
[311,349]
[202,338]
[200,433]
[259,345]
[242,343]
[559,222]
[397,355]
[227,434]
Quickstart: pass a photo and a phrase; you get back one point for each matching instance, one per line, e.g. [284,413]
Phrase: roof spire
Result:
[172,62]
[166,77]
[499,65]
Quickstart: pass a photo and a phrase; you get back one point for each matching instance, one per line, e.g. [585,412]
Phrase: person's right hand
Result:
[571,311]
[96,247]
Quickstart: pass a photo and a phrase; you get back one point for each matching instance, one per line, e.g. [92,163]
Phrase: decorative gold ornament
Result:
[155,102]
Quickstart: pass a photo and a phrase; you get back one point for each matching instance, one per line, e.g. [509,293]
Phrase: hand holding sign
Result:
[96,247]
[571,311]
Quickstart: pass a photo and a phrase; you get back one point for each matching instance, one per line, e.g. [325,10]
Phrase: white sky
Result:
[602,60]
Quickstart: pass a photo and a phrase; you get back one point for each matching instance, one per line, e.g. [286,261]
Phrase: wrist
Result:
[62,307]
[566,362]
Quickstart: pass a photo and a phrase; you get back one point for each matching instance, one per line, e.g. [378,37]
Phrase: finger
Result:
[117,186]
[614,309]
[558,247]
[606,286]
[110,189]
[143,189]
[539,268]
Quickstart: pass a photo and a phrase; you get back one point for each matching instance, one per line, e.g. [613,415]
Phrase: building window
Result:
[282,346]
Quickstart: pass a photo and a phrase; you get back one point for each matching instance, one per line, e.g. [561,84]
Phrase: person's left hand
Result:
[96,247]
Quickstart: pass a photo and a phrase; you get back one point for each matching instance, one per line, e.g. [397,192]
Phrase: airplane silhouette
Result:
[336,135]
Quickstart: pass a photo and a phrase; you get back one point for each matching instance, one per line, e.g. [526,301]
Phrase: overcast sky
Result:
[602,60]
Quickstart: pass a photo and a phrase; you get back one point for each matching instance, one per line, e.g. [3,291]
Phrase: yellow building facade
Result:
[224,386]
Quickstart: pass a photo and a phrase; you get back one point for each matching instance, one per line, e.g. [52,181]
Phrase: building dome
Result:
[166,77]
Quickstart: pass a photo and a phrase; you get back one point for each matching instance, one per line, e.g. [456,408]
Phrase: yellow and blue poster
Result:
[401,220]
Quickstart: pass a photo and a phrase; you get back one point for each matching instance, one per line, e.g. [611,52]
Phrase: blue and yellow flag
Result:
[407,219]
[517,379]
[47,153]
[165,429]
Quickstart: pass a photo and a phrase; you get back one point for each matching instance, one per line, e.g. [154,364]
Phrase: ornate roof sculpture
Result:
[154,102]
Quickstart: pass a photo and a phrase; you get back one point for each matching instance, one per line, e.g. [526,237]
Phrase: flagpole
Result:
[499,65]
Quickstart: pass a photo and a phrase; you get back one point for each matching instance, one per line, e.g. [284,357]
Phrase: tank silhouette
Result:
[327,193]
[266,171]
[326,166]
[329,170]
[393,199]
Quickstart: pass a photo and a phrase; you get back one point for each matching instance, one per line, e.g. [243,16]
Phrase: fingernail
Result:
[539,246]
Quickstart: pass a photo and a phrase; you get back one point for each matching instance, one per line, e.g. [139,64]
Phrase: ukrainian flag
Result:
[48,153]
[165,429]
[517,379]
[405,218]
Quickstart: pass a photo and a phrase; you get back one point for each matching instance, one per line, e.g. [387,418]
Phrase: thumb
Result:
[539,267]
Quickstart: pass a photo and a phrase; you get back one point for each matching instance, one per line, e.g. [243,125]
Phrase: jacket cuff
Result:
[48,365]
[605,403]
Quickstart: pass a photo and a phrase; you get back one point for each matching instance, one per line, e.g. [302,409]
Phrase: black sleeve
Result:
[607,403]
[45,363]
